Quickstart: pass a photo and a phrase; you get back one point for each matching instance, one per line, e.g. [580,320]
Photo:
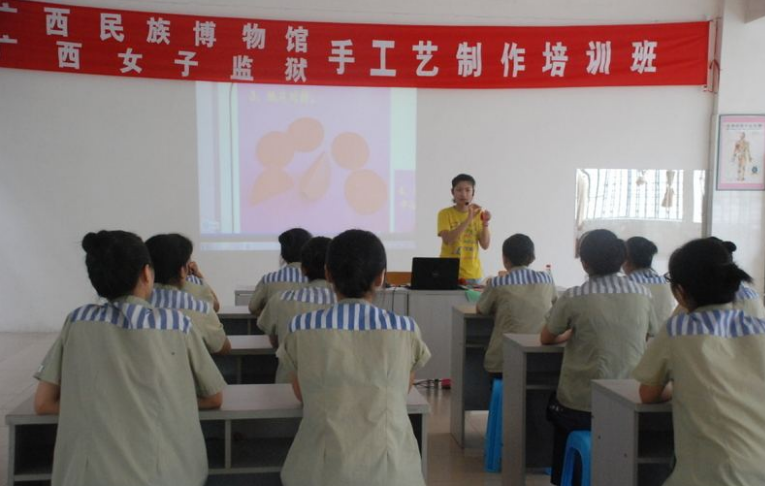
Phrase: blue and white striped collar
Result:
[352,315]
[195,280]
[132,313]
[647,276]
[522,276]
[168,297]
[291,273]
[311,295]
[745,292]
[719,321]
[608,284]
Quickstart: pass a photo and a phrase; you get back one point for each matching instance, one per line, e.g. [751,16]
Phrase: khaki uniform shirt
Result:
[466,246]
[664,302]
[289,277]
[716,359]
[281,308]
[199,288]
[205,321]
[128,404]
[519,302]
[353,362]
[610,317]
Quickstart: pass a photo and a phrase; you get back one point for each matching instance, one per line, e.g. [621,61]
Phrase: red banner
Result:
[63,38]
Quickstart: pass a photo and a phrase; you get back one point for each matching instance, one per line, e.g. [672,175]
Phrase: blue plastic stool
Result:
[492,461]
[579,443]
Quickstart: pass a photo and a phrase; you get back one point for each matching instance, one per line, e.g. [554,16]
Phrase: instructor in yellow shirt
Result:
[463,227]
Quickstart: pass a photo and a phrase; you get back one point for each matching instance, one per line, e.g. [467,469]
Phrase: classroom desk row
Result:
[247,438]
[252,360]
[632,443]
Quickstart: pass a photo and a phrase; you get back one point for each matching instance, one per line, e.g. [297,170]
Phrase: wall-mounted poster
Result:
[741,153]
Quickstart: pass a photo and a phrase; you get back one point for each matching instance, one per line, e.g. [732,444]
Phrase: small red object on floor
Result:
[446,383]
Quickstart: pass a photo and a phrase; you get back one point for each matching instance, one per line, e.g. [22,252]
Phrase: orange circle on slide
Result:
[274,149]
[365,191]
[350,150]
[305,134]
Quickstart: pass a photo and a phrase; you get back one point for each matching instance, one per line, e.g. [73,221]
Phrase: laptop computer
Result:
[435,273]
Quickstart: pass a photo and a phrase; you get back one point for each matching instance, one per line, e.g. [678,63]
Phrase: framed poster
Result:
[741,153]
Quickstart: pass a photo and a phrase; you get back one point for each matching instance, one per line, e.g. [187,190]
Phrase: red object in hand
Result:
[483,216]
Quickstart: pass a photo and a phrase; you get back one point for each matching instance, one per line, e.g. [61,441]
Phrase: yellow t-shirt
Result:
[466,247]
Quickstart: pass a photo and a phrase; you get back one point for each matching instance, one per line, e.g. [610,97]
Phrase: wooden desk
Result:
[471,385]
[252,360]
[237,320]
[530,376]
[249,435]
[632,442]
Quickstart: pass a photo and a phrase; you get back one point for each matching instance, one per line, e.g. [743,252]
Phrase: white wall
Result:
[738,216]
[81,153]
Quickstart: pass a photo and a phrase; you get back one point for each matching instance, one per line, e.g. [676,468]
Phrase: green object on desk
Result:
[472,295]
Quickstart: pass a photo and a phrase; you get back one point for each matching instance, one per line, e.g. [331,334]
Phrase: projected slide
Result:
[272,157]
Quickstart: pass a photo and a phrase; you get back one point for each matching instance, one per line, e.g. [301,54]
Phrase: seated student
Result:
[714,355]
[353,366]
[637,267]
[170,254]
[288,277]
[196,285]
[125,379]
[605,322]
[519,300]
[275,319]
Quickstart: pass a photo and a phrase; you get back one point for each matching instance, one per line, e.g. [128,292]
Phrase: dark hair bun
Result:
[92,242]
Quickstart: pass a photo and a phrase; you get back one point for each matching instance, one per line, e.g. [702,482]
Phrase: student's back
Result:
[610,317]
[352,366]
[124,378]
[519,300]
[715,357]
[289,277]
[664,302]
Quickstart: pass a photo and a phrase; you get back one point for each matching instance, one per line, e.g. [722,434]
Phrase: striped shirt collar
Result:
[311,295]
[608,284]
[289,273]
[745,292]
[195,280]
[352,315]
[717,320]
[522,276]
[647,276]
[169,297]
[132,313]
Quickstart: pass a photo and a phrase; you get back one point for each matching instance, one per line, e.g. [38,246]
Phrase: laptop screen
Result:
[435,273]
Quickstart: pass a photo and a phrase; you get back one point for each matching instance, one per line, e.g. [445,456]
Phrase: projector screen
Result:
[273,157]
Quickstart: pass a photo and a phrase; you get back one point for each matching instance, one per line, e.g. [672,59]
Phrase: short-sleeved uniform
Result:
[664,302]
[353,362]
[466,246]
[128,413]
[199,288]
[281,308]
[715,356]
[519,302]
[205,321]
[611,317]
[289,277]
[749,300]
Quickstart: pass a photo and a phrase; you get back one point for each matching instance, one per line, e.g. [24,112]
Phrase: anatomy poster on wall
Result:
[741,153]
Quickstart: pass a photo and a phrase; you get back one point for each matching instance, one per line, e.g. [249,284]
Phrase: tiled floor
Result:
[448,465]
